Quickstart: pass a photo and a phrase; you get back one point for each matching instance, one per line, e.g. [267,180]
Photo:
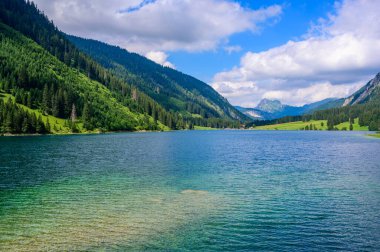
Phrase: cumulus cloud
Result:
[334,56]
[313,93]
[157,25]
[159,58]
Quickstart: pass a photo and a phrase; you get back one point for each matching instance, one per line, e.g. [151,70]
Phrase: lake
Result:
[191,190]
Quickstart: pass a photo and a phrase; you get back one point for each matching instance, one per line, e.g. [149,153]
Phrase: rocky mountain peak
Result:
[270,105]
[364,94]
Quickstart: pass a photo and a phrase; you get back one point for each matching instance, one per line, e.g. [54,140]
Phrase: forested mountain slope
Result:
[45,72]
[172,89]
[39,80]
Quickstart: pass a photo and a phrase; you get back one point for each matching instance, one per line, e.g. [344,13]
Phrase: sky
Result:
[294,51]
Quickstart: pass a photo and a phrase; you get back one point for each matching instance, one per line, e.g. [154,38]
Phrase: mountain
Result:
[48,85]
[270,106]
[273,109]
[172,89]
[40,81]
[362,108]
[254,113]
[365,94]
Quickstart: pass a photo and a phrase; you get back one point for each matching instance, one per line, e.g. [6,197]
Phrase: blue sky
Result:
[294,51]
[293,23]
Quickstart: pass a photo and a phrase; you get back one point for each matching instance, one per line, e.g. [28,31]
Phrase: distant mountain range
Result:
[274,109]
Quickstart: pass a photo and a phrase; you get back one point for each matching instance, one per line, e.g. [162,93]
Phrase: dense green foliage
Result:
[49,74]
[40,81]
[14,119]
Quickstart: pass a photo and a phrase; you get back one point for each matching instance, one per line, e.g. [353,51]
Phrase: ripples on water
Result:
[219,190]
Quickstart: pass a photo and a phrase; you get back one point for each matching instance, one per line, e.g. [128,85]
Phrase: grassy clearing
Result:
[377,135]
[294,125]
[356,126]
[318,124]
[203,128]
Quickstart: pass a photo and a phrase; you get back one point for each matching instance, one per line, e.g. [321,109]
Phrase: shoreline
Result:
[372,135]
[74,134]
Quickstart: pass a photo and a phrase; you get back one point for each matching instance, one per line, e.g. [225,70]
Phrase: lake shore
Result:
[74,134]
[376,135]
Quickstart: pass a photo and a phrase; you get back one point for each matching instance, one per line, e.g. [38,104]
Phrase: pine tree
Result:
[47,126]
[40,128]
[18,97]
[73,115]
[86,117]
[25,125]
[45,99]
[29,100]
[373,126]
[8,123]
[55,106]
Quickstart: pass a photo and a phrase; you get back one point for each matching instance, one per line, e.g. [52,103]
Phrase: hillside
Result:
[366,93]
[39,80]
[47,74]
[170,88]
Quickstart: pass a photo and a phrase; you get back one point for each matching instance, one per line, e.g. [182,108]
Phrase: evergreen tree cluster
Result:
[310,127]
[40,81]
[15,120]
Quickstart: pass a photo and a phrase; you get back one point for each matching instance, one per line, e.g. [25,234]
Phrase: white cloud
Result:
[232,49]
[159,58]
[315,92]
[332,58]
[161,25]
[241,92]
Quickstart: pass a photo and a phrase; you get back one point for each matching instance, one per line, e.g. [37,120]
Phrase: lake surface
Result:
[191,190]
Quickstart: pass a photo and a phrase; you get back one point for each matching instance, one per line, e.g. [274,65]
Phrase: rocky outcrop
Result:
[365,93]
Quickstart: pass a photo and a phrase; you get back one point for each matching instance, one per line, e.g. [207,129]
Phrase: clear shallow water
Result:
[195,190]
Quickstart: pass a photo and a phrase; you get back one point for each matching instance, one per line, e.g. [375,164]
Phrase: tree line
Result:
[16,120]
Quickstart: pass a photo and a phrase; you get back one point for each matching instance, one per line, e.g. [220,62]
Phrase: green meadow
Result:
[316,124]
[377,135]
[203,128]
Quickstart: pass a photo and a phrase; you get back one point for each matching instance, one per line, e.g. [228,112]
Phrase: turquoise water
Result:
[191,190]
